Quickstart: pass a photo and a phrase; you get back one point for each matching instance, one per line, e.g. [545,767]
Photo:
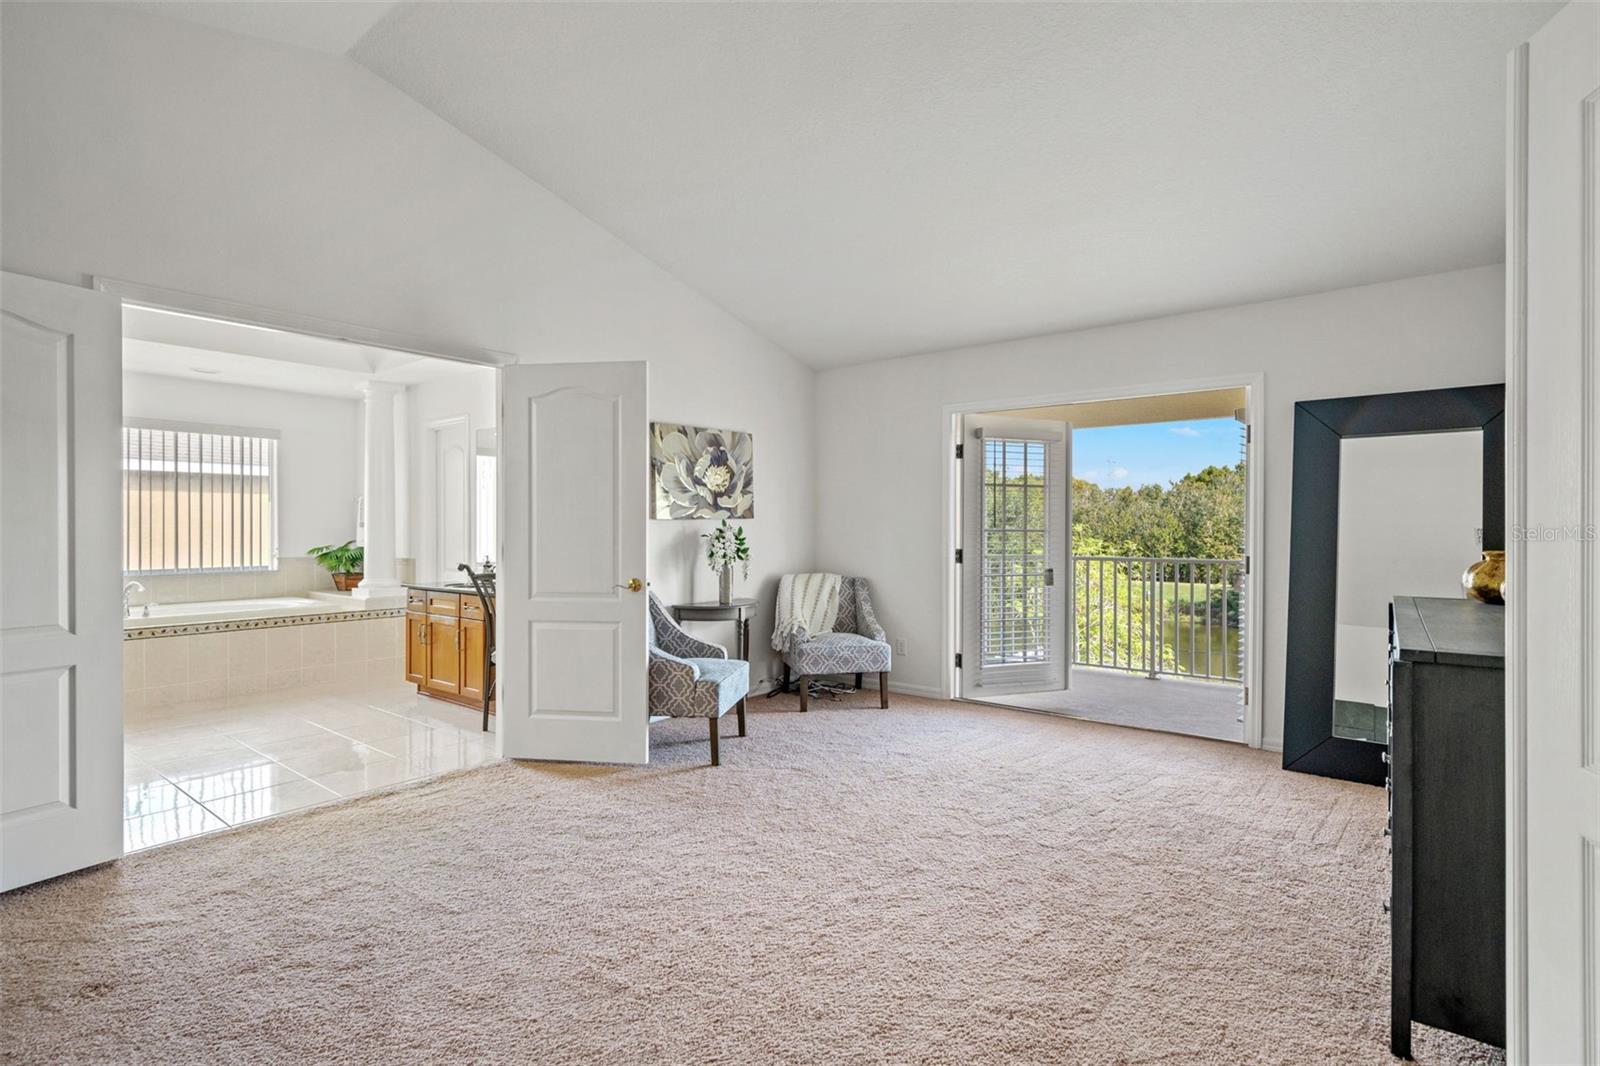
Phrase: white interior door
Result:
[570,646]
[1559,611]
[1016,529]
[60,576]
[452,472]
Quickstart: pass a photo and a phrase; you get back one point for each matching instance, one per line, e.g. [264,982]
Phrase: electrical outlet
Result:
[900,647]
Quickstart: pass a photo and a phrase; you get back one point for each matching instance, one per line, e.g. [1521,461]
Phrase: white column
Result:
[378,486]
[402,474]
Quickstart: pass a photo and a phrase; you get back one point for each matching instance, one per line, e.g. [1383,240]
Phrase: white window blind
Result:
[1016,552]
[198,498]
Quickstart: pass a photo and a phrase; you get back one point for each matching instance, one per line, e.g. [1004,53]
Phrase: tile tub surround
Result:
[275,656]
[294,575]
[204,765]
[147,629]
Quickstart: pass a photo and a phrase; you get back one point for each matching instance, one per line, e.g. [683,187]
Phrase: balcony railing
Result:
[1159,616]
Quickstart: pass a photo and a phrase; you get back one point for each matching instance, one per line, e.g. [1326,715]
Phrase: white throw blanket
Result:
[805,601]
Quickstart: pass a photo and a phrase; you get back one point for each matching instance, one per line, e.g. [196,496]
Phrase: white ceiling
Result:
[206,349]
[858,181]
[332,26]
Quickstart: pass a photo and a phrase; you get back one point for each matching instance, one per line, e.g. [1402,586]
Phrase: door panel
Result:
[570,634]
[444,655]
[1016,581]
[60,572]
[416,647]
[1555,612]
[472,634]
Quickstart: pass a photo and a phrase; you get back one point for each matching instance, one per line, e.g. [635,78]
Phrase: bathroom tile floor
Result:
[197,767]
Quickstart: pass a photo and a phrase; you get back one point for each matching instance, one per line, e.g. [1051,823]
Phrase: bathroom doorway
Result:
[261,674]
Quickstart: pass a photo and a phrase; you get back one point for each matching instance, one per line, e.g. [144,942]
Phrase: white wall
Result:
[882,436]
[174,155]
[1410,508]
[319,447]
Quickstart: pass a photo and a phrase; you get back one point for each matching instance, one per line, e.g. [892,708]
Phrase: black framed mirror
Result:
[1326,730]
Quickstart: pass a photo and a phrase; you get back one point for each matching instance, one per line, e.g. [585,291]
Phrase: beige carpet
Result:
[935,883]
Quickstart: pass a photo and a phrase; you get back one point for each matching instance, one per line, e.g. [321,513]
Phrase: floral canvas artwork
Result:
[701,473]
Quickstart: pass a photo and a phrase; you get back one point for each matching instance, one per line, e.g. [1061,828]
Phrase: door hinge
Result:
[1249,432]
[958,555]
[1247,564]
[960,452]
[1247,695]
[958,660]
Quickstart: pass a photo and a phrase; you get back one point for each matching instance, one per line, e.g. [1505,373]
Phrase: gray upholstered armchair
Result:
[692,678]
[857,645]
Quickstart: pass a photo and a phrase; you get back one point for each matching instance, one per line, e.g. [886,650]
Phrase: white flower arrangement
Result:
[725,546]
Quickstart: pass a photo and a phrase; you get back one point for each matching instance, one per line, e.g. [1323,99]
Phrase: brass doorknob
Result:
[633,585]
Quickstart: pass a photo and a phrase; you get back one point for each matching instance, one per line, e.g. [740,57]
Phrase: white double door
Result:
[571,646]
[570,636]
[60,572]
[1555,926]
[1016,577]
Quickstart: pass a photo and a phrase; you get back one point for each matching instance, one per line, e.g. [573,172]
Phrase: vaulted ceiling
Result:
[859,181]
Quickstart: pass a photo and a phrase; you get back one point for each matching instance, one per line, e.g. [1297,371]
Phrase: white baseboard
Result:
[762,687]
[929,691]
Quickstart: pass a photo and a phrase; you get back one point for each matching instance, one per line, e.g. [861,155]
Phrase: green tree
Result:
[1200,516]
[1111,602]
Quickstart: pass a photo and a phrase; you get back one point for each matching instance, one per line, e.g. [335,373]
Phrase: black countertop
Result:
[428,587]
[1462,632]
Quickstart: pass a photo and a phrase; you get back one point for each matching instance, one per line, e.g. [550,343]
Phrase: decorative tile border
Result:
[228,625]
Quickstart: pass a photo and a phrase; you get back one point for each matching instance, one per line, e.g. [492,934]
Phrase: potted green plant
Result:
[343,561]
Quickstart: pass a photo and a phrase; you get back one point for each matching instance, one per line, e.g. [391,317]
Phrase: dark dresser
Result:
[1447,816]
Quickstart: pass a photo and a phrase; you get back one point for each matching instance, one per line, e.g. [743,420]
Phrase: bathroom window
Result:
[198,498]
[485,526]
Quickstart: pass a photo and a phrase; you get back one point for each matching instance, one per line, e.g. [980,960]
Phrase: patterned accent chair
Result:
[692,678]
[857,645]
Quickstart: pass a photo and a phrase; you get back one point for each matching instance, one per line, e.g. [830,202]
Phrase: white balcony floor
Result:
[1170,704]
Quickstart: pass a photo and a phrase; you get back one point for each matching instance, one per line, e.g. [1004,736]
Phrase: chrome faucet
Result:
[128,590]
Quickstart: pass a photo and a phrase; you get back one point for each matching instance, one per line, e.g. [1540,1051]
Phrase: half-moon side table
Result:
[739,612]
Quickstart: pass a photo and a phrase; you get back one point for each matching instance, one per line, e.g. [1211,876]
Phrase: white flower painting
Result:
[701,473]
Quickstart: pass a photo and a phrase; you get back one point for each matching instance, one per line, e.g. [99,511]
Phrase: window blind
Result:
[198,499]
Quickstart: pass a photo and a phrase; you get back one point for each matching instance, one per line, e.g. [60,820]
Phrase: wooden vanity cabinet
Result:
[473,631]
[445,636]
[416,647]
[444,656]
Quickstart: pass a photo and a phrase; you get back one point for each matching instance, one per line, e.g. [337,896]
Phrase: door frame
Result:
[950,435]
[189,303]
[1516,516]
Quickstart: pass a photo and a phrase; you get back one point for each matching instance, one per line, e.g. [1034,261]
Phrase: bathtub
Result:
[180,614]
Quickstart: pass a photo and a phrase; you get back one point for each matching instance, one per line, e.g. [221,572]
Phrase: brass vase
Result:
[1485,579]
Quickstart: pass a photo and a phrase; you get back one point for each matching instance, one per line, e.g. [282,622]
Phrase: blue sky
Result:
[1155,454]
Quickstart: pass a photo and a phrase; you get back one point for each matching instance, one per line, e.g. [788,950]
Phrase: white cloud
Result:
[1119,473]
[1184,431]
